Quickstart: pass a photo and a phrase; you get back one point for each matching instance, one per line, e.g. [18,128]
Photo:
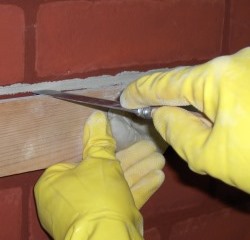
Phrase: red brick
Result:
[152,234]
[223,224]
[35,229]
[11,44]
[75,37]
[180,191]
[240,25]
[11,213]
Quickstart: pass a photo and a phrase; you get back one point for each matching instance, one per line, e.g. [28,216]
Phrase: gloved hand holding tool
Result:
[215,142]
[93,200]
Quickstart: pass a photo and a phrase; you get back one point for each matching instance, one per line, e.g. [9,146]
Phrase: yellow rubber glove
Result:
[91,200]
[128,129]
[142,164]
[220,89]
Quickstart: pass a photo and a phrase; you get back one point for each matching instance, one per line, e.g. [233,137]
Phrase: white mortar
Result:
[122,79]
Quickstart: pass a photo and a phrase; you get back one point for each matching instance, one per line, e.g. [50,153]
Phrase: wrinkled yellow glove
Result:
[91,200]
[220,89]
[128,129]
[142,164]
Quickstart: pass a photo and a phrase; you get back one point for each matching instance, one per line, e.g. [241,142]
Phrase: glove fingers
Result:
[184,131]
[123,131]
[128,129]
[146,187]
[98,141]
[177,87]
[154,161]
[162,88]
[135,153]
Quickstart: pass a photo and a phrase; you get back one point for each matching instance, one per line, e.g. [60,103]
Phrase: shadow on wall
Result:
[214,188]
[189,206]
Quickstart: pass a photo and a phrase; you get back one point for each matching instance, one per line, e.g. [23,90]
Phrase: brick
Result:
[152,234]
[226,223]
[11,44]
[76,37]
[239,36]
[11,213]
[181,190]
[35,229]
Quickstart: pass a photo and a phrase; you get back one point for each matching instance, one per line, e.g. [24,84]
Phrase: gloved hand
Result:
[140,147]
[91,200]
[220,90]
[142,164]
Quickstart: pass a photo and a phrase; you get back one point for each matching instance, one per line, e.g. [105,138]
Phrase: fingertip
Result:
[124,99]
[184,131]
[147,186]
[172,122]
[160,160]
[160,175]
[97,136]
[157,177]
[131,97]
[97,118]
[160,118]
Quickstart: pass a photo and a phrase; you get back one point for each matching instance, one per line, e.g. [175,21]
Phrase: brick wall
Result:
[51,40]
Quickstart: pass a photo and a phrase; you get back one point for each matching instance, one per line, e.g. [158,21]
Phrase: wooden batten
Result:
[39,131]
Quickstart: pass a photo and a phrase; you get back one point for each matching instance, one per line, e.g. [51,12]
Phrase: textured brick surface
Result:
[181,190]
[81,37]
[84,36]
[35,230]
[240,25]
[11,44]
[152,234]
[182,209]
[11,213]
[222,224]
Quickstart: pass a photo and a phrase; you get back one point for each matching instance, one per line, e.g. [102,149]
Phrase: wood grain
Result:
[38,131]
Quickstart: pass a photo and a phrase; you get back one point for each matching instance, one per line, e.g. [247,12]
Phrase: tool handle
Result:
[144,112]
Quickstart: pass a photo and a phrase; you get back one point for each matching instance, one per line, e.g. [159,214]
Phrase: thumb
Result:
[98,141]
[186,132]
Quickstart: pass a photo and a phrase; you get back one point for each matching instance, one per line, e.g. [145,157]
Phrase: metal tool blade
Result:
[91,101]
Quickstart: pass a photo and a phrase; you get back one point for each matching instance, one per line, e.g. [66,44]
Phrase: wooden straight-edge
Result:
[38,131]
